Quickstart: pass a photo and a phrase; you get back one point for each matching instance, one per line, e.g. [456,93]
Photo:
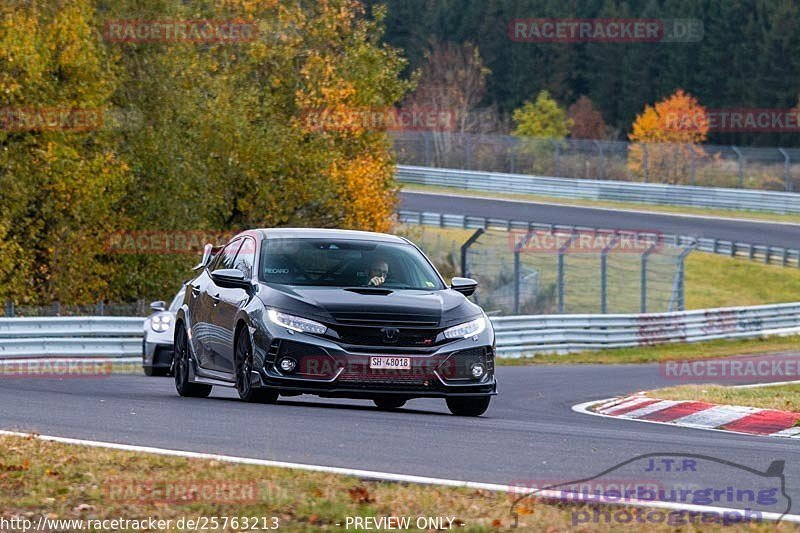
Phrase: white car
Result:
[159,332]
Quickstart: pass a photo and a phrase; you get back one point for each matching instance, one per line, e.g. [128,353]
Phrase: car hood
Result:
[333,304]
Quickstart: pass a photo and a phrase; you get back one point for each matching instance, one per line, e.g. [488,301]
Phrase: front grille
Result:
[382,320]
[373,336]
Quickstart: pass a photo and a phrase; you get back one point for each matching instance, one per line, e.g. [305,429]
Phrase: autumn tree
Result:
[452,82]
[195,136]
[540,124]
[542,117]
[666,138]
[62,179]
[587,122]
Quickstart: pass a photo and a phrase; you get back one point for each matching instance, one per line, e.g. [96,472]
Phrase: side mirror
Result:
[231,277]
[160,305]
[207,249]
[465,286]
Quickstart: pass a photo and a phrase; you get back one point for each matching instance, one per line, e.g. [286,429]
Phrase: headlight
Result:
[467,329]
[296,323]
[160,323]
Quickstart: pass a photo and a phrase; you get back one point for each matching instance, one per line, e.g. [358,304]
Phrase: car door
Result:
[219,337]
[199,304]
[231,299]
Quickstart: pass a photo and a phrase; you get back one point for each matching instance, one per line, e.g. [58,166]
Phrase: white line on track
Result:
[387,476]
[611,209]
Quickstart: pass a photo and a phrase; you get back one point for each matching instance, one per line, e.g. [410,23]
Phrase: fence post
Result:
[645,255]
[511,161]
[604,274]
[560,286]
[787,172]
[645,163]
[468,150]
[681,276]
[741,166]
[10,309]
[465,248]
[426,140]
[602,160]
[516,280]
[558,157]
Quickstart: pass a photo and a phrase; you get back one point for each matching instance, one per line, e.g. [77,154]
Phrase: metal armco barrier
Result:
[617,191]
[71,336]
[774,255]
[516,335]
[521,335]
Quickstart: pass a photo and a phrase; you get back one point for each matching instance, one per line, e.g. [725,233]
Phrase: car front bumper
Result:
[327,369]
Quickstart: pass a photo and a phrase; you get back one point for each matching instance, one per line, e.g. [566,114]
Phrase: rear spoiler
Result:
[208,254]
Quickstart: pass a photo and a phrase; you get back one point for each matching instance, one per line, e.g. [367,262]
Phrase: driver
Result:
[378,271]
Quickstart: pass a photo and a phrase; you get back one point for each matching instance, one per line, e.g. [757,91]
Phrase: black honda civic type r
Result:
[335,313]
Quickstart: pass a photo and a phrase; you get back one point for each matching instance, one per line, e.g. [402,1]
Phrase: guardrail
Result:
[121,338]
[617,191]
[521,335]
[71,336]
[774,255]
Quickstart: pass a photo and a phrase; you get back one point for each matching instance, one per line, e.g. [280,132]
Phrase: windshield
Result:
[346,263]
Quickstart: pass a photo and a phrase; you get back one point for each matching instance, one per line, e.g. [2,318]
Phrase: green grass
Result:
[675,209]
[667,352]
[780,397]
[60,481]
[719,281]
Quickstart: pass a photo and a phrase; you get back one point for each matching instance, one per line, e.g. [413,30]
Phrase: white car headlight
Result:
[296,323]
[467,329]
[161,323]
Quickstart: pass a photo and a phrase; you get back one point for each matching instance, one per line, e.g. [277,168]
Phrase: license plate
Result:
[390,363]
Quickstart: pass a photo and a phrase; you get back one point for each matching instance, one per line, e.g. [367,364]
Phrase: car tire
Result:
[389,403]
[182,384]
[244,365]
[469,406]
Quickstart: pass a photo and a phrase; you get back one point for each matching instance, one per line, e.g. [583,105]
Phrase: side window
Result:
[244,259]
[226,256]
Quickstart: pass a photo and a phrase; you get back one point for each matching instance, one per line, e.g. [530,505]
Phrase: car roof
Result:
[322,233]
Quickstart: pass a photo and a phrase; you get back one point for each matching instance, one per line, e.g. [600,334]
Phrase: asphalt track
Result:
[528,433]
[751,232]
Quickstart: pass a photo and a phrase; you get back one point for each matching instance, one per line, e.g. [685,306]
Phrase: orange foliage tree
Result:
[587,122]
[671,131]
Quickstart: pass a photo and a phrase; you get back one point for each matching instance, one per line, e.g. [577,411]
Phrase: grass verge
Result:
[668,209]
[667,352]
[719,281]
[780,397]
[68,482]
